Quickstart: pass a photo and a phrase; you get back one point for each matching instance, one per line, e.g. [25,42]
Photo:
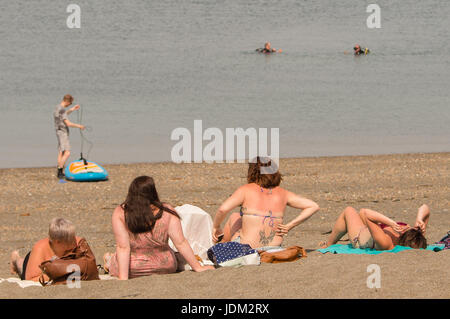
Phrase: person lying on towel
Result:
[370,229]
[262,204]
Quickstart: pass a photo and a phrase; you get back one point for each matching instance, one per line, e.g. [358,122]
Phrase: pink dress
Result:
[149,252]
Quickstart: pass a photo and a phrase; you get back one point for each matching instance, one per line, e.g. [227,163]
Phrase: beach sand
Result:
[392,184]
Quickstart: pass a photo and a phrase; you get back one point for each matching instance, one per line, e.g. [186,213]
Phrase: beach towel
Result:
[233,254]
[348,249]
[30,283]
[21,283]
[291,253]
[197,228]
[445,241]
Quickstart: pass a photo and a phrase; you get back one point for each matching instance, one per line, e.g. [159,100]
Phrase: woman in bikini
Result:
[262,204]
[370,229]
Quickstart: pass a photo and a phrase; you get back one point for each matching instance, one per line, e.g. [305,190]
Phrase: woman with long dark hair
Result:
[142,226]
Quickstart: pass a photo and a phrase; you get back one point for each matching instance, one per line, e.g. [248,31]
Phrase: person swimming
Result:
[357,50]
[268,49]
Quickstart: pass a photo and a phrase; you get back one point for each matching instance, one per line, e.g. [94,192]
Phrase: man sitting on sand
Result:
[62,125]
[370,229]
[61,239]
[268,49]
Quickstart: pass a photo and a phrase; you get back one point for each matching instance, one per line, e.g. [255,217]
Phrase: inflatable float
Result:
[85,171]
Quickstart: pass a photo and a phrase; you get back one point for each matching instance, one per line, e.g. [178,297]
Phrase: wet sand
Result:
[392,184]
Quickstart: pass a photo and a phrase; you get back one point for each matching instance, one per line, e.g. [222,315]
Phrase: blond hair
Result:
[61,229]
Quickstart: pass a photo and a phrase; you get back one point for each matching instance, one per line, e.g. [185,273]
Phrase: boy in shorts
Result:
[62,125]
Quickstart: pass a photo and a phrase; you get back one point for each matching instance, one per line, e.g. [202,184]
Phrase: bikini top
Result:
[243,211]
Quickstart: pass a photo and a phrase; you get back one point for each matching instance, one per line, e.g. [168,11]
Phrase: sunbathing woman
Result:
[263,202]
[61,239]
[370,229]
[142,227]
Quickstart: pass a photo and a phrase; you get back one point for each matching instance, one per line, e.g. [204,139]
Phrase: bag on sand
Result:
[233,254]
[445,241]
[80,258]
[291,253]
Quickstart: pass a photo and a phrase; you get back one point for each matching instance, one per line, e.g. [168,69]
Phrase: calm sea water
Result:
[142,68]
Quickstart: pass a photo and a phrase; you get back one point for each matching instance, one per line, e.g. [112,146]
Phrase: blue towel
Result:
[348,249]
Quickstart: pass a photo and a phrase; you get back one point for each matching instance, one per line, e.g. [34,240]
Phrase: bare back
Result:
[262,210]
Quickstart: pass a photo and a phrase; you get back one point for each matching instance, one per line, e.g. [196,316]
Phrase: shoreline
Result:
[246,160]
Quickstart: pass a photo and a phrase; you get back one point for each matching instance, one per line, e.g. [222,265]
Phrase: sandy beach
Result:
[392,184]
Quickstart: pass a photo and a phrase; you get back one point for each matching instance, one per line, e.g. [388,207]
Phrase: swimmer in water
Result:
[357,50]
[268,49]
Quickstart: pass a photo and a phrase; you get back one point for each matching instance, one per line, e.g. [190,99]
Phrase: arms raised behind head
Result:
[372,218]
[423,216]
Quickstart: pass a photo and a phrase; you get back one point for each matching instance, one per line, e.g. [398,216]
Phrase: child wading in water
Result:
[62,125]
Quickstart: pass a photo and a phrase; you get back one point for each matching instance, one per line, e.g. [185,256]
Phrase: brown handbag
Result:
[58,270]
[291,253]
